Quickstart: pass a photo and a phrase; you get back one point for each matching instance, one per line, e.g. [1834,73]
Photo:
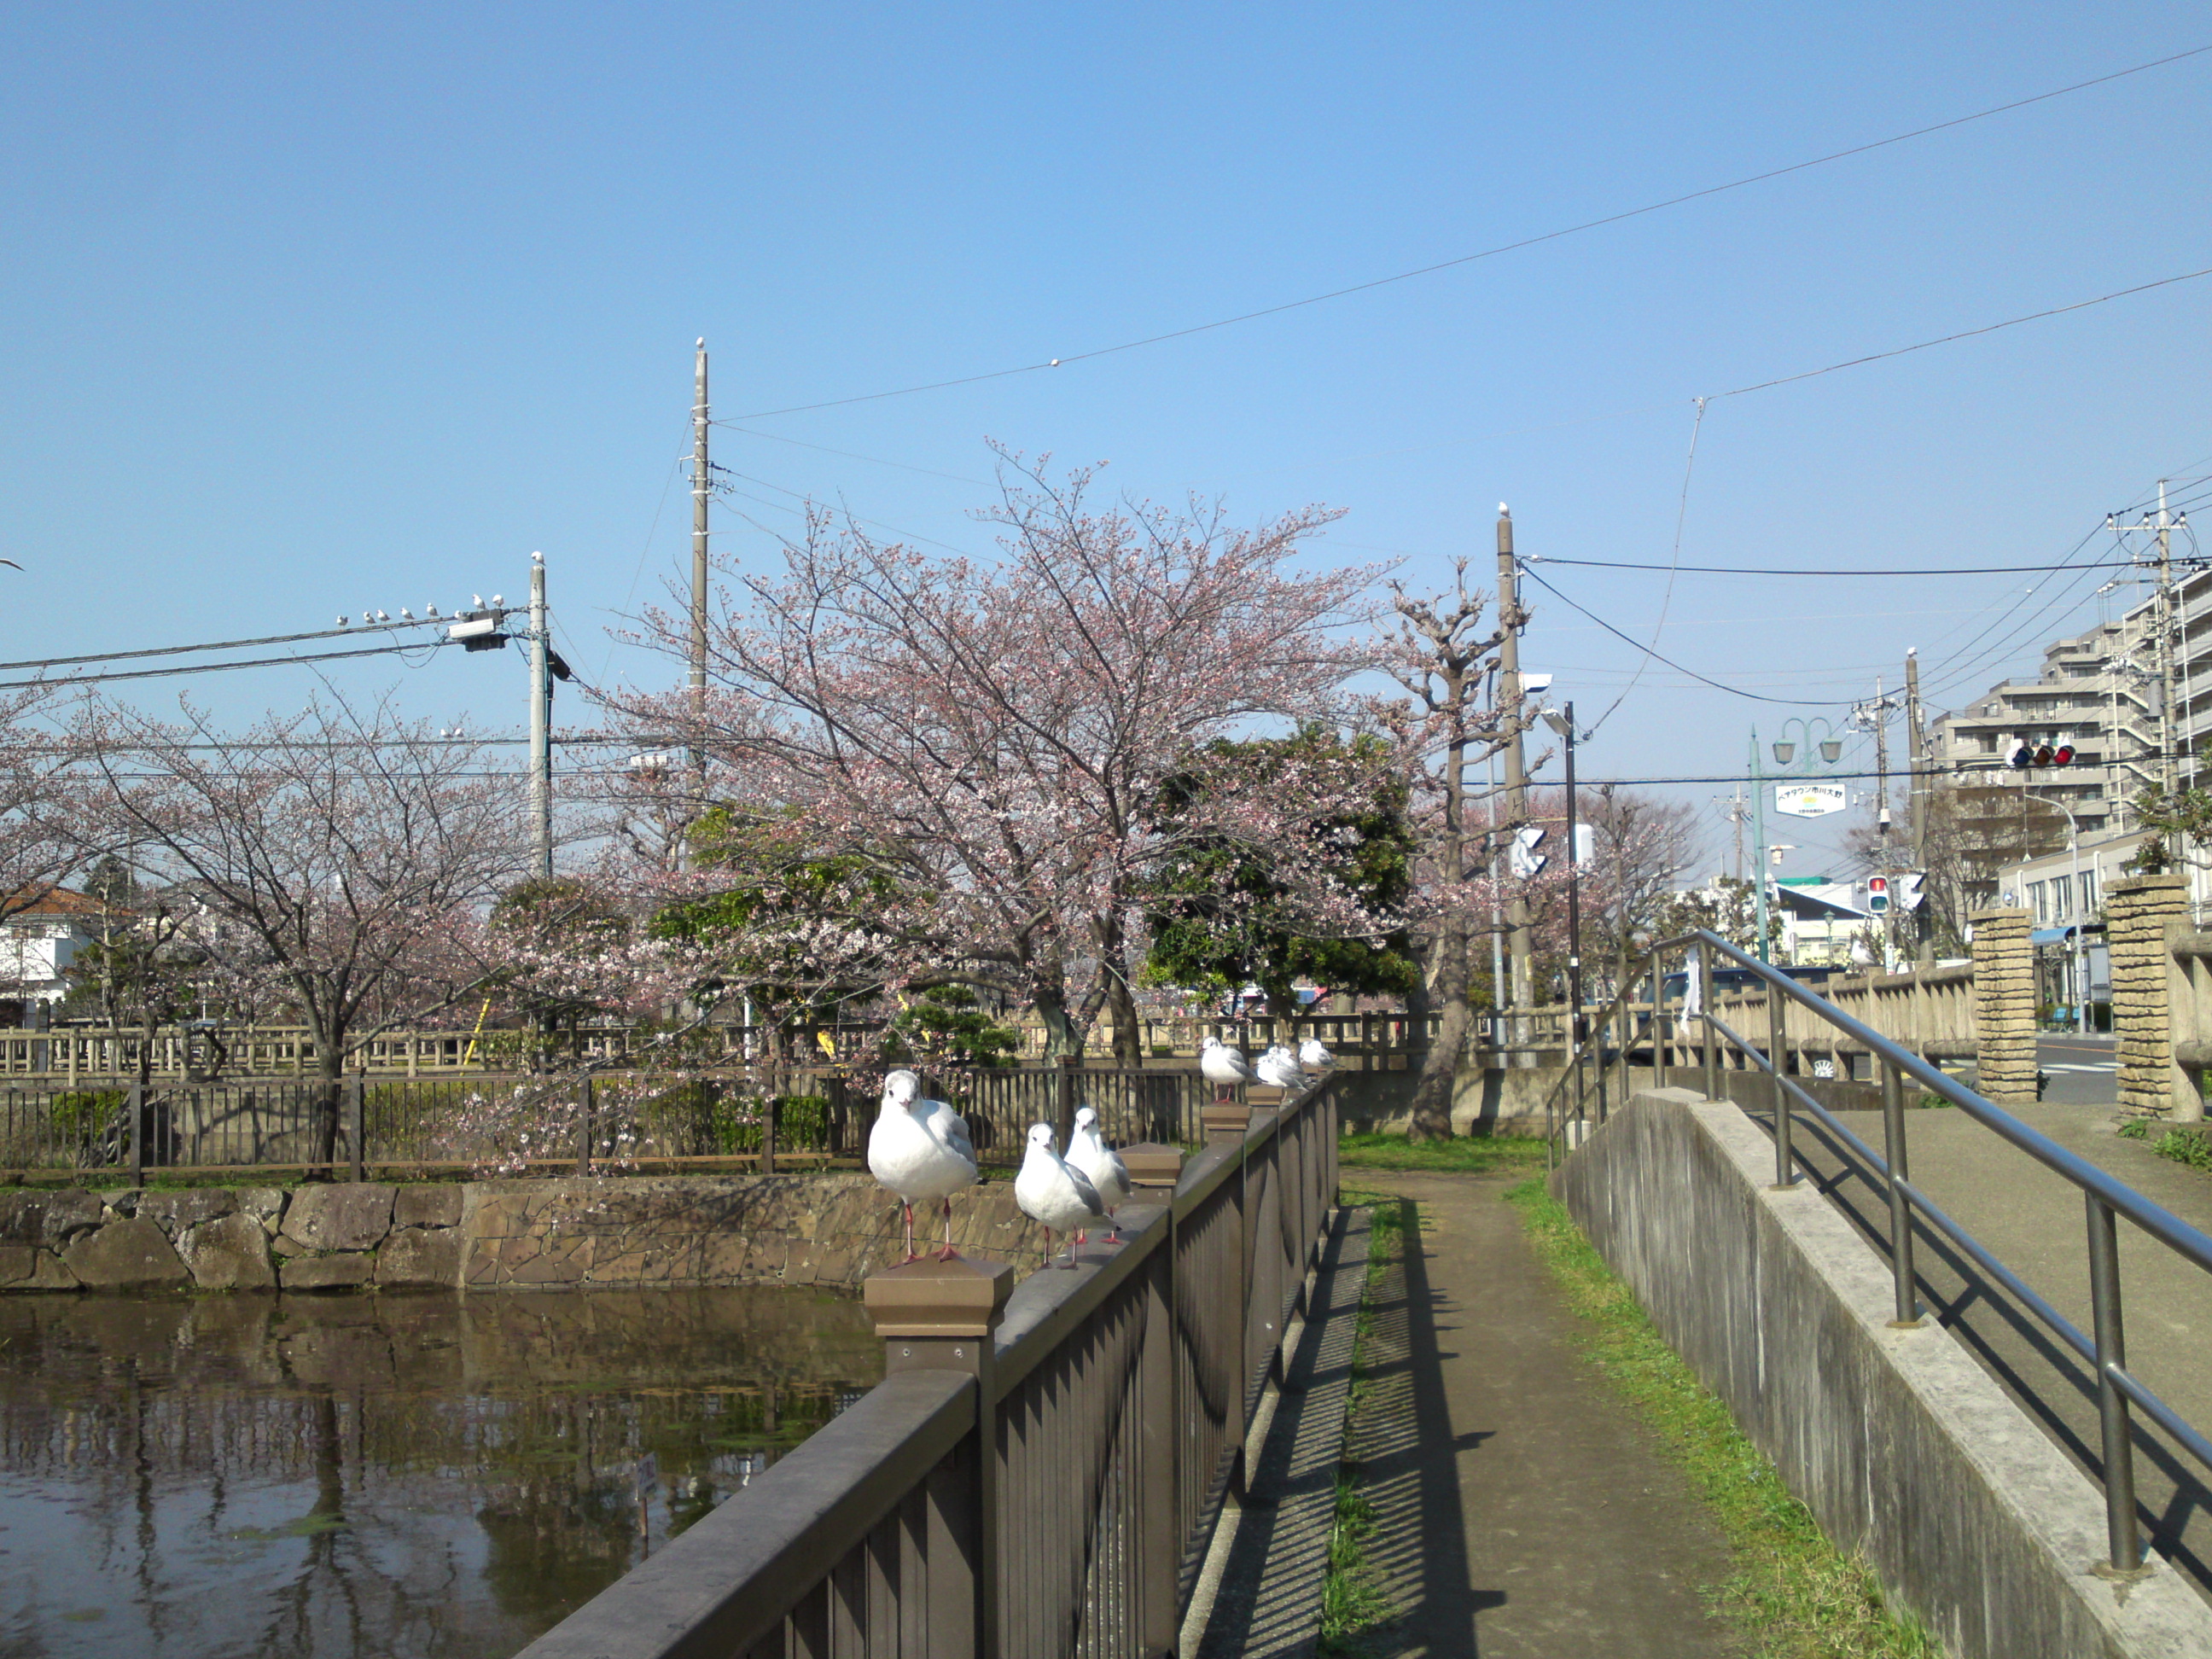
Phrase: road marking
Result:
[2055,1066]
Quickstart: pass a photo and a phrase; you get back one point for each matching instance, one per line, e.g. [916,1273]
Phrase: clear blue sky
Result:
[310,310]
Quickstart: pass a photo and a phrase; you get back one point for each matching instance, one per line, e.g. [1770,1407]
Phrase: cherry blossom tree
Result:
[46,835]
[989,737]
[1444,659]
[338,861]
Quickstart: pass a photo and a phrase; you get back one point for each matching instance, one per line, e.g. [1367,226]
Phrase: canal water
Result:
[380,1477]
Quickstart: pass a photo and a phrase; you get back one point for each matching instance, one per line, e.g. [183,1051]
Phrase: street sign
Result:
[1521,854]
[1910,889]
[1810,801]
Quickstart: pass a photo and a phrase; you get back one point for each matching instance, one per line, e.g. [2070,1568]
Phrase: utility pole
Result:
[1516,773]
[2169,770]
[541,724]
[1734,809]
[1759,840]
[1916,798]
[702,485]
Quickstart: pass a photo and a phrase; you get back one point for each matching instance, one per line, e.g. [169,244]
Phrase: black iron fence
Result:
[591,1121]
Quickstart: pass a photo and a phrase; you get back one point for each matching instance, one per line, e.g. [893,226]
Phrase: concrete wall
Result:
[1898,1443]
[483,1235]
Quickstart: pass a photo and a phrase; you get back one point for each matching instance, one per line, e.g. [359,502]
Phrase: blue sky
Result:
[308,310]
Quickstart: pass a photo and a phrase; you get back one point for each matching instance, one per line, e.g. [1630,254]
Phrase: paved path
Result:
[1265,1591]
[1523,1513]
[2033,1221]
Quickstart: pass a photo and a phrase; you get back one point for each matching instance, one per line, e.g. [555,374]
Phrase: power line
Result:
[1718,685]
[1760,570]
[1968,334]
[218,667]
[231,645]
[1510,248]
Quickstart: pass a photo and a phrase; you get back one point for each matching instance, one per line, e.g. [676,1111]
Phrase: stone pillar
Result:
[2138,913]
[2004,1006]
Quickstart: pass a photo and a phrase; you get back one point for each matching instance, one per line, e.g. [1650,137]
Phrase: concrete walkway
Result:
[1521,1511]
[2035,1222]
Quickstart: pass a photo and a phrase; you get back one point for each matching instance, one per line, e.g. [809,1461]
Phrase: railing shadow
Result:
[1405,1452]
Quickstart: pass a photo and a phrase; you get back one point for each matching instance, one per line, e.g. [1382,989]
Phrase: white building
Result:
[37,945]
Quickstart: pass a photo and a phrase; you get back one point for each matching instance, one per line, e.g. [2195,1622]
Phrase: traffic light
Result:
[2022,756]
[1878,894]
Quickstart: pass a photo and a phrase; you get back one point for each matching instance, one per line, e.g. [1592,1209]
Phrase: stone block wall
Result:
[2139,913]
[2004,1005]
[830,1229]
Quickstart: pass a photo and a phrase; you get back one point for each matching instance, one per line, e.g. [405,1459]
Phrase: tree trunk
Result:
[1446,994]
[330,1061]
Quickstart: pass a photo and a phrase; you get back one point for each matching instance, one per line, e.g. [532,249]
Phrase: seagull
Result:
[1088,1151]
[1220,1063]
[384,616]
[1053,1194]
[479,600]
[1314,1057]
[1280,1067]
[919,1149]
[430,609]
[405,614]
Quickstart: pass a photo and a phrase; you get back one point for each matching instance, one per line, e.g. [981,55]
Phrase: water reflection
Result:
[398,1475]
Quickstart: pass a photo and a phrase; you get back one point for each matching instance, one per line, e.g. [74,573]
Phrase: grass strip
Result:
[1461,1154]
[1352,1601]
[1793,1594]
[2191,1146]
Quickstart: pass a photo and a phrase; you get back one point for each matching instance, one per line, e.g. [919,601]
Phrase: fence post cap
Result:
[1150,1164]
[1223,1119]
[1265,1095]
[929,1297]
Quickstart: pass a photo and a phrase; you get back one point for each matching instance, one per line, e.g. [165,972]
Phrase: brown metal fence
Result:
[1049,1490]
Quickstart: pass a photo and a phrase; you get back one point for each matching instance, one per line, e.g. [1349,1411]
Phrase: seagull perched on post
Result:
[1223,1066]
[919,1149]
[1087,1150]
[1279,1067]
[1056,1195]
[1315,1056]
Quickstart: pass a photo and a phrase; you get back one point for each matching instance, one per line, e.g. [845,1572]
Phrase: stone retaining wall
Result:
[489,1234]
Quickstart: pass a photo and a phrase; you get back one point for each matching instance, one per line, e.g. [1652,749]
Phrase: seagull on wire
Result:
[1314,1057]
[1053,1194]
[1088,1151]
[1279,1067]
[1220,1063]
[919,1149]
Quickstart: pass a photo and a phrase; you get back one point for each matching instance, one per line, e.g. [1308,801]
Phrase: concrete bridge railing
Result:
[1039,1474]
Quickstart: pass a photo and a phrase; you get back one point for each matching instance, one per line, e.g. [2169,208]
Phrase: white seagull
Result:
[919,1149]
[1220,1063]
[1088,1151]
[1053,1194]
[1314,1057]
[1280,1067]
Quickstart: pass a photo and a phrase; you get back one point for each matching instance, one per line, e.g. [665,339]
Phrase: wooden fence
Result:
[1039,1474]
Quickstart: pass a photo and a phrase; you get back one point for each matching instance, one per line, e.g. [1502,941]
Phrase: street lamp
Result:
[1816,736]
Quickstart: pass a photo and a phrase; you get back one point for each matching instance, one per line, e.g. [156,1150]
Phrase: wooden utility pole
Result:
[1516,773]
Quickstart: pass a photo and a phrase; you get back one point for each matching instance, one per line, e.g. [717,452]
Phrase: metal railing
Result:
[593,1120]
[1589,1089]
[1048,1491]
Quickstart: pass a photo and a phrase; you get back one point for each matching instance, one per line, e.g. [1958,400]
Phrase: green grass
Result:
[1792,1594]
[2191,1146]
[1468,1154]
[1351,1600]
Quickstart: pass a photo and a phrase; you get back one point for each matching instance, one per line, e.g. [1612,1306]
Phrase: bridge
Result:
[1972,1337]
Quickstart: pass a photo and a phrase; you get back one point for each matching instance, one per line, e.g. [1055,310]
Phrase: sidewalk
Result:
[1521,1512]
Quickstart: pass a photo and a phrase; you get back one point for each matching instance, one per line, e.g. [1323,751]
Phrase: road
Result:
[2082,1070]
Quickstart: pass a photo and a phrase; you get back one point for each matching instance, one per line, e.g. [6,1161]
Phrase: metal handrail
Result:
[2105,1197]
